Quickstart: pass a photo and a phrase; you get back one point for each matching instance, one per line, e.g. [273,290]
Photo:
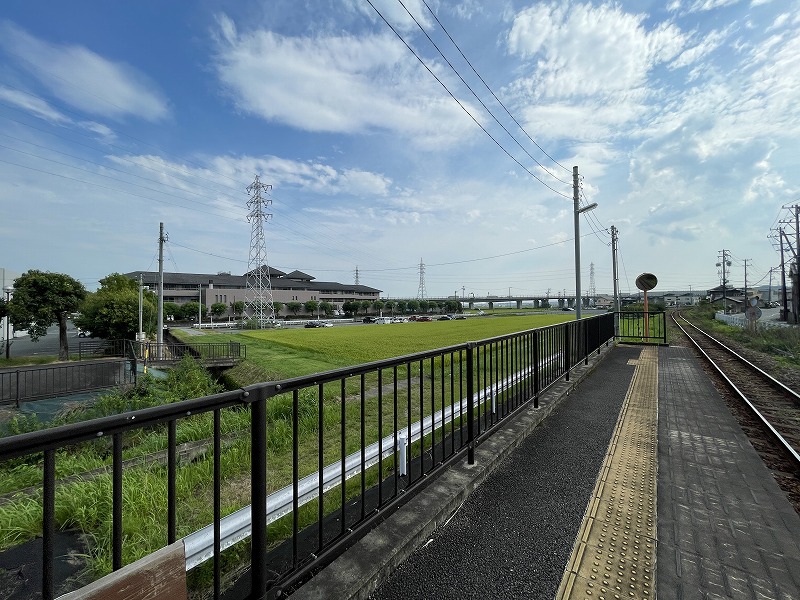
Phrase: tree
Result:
[42,299]
[350,307]
[310,306]
[112,312]
[377,305]
[364,304]
[218,309]
[413,305]
[389,305]
[278,306]
[401,306]
[326,308]
[424,305]
[238,308]
[190,310]
[172,309]
[293,307]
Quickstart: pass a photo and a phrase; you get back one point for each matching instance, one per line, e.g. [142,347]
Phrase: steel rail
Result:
[779,384]
[757,413]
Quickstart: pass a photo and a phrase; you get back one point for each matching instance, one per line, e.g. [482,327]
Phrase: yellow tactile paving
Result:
[615,550]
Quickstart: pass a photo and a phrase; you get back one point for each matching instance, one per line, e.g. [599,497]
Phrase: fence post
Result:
[567,361]
[664,326]
[258,495]
[535,369]
[470,407]
[585,326]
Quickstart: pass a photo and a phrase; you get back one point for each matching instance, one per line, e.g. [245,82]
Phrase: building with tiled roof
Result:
[225,288]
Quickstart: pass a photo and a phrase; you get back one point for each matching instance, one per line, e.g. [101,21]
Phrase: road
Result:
[22,345]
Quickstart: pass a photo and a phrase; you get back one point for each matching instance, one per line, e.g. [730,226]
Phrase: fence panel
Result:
[298,466]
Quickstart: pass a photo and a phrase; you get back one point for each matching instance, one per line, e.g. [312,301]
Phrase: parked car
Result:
[383,320]
[368,319]
[568,308]
[424,319]
[445,318]
[460,317]
[315,324]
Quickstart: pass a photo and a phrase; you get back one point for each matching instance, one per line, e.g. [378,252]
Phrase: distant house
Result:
[225,288]
[732,298]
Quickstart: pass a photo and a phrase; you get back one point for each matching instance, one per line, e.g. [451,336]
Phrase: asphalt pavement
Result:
[23,345]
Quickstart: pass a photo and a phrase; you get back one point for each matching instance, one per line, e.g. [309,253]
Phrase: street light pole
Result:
[577,211]
[8,290]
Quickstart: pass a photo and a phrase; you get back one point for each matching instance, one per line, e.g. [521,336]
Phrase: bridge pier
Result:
[519,304]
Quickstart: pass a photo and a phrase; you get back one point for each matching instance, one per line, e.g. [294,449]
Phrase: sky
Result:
[405,142]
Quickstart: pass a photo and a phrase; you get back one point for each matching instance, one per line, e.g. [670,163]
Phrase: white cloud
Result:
[84,79]
[394,13]
[579,49]
[33,105]
[340,84]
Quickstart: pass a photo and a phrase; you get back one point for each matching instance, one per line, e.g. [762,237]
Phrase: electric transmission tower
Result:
[258,296]
[355,278]
[421,292]
[592,291]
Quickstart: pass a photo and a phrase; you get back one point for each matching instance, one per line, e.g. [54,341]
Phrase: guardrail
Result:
[373,431]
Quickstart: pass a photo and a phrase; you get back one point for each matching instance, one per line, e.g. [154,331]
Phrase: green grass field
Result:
[289,352]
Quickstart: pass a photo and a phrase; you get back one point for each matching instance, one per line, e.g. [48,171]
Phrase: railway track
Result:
[768,410]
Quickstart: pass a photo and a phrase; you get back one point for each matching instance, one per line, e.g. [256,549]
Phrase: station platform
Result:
[633,480]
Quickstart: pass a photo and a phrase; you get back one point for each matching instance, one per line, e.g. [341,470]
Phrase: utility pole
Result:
[576,217]
[724,263]
[769,291]
[160,333]
[785,311]
[745,281]
[614,241]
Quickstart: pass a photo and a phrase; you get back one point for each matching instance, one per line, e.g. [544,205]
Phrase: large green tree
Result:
[42,299]
[112,312]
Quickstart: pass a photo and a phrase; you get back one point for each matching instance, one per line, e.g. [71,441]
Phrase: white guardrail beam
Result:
[236,526]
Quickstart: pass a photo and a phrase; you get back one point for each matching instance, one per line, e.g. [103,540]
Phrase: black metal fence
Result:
[26,384]
[326,454]
[175,351]
[642,328]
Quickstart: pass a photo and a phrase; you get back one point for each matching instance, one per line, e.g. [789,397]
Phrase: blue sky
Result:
[683,118]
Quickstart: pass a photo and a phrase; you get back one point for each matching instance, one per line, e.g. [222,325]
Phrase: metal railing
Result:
[342,445]
[642,328]
[26,384]
[175,351]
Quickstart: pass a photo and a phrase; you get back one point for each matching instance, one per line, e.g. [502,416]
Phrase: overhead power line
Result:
[461,105]
[482,103]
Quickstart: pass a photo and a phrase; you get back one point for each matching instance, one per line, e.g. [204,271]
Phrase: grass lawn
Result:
[289,352]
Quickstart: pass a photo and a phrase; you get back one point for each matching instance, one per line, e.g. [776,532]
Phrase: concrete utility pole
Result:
[576,216]
[577,210]
[616,278]
[745,280]
[785,311]
[160,333]
[724,263]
